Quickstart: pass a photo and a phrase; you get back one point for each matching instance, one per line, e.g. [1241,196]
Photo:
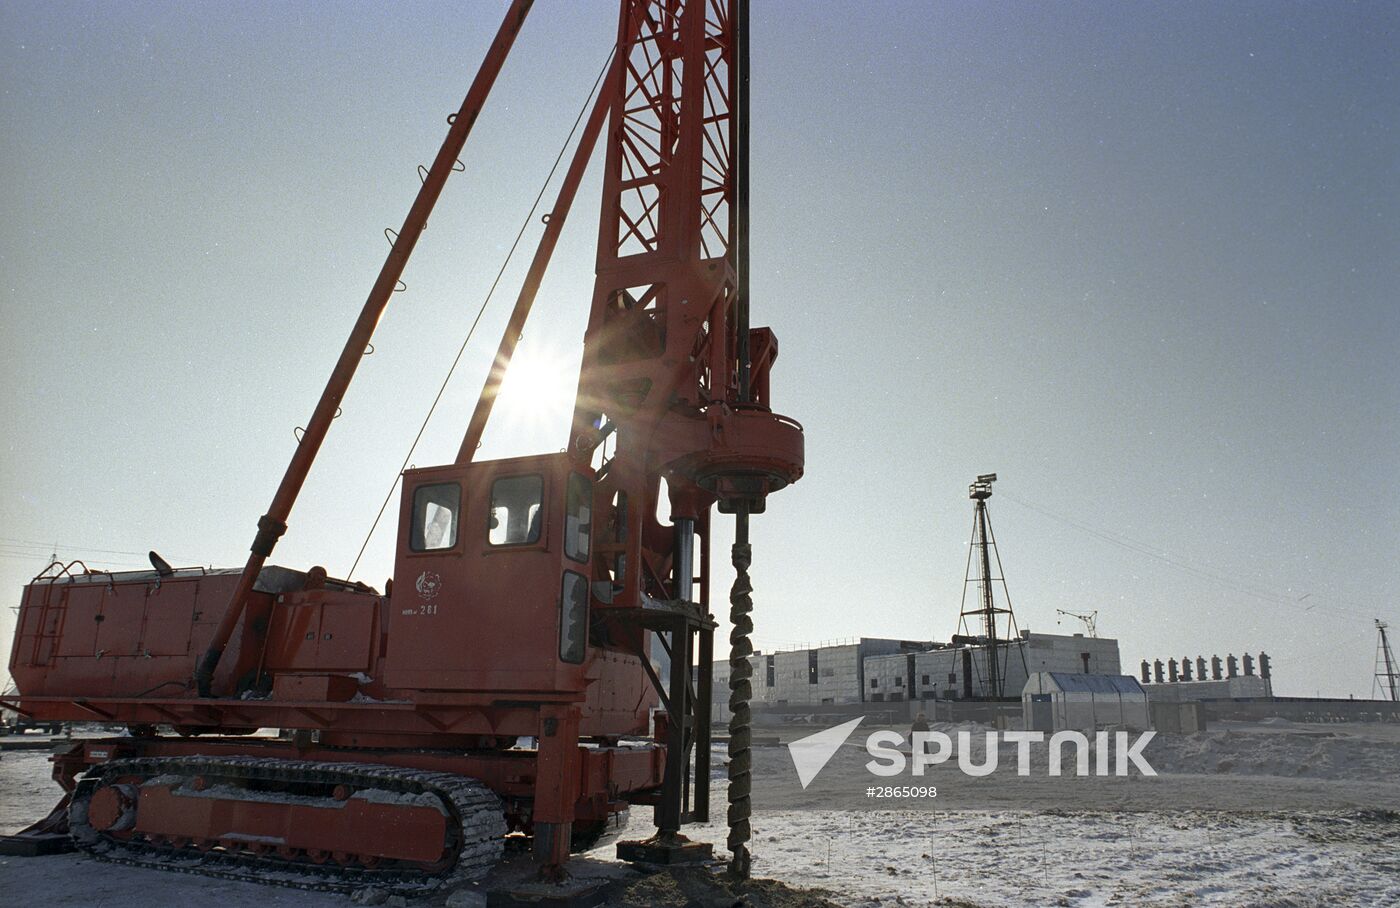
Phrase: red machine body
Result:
[546,636]
[482,610]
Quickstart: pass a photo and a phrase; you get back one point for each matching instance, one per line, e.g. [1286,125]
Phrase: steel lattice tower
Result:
[985,609]
[1387,678]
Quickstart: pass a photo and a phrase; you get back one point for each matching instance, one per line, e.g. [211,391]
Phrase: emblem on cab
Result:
[428,585]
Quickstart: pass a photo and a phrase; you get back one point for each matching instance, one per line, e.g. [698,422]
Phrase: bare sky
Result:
[1140,259]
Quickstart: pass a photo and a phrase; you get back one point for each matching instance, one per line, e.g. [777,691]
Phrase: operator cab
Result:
[492,577]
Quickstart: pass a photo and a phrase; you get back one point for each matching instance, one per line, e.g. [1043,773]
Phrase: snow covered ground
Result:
[1264,854]
[1082,859]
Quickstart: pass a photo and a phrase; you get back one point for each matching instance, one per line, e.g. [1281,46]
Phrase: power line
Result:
[31,559]
[50,547]
[1194,569]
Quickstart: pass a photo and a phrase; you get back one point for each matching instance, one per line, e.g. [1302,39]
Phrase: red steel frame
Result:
[659,398]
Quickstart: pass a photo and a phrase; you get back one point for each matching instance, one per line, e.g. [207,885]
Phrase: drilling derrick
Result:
[539,598]
[984,612]
[1386,668]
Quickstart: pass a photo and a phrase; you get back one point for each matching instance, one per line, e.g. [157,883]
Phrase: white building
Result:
[962,672]
[809,677]
[1236,688]
[720,691]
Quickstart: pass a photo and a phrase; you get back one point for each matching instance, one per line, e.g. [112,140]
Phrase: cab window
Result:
[573,618]
[436,508]
[578,517]
[516,512]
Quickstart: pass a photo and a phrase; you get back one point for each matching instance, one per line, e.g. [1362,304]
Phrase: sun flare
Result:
[538,391]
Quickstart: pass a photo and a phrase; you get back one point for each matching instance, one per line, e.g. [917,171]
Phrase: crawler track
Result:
[475,823]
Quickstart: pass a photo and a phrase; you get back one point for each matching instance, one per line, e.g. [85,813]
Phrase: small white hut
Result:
[1055,701]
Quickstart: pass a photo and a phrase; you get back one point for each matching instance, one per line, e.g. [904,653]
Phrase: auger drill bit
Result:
[740,692]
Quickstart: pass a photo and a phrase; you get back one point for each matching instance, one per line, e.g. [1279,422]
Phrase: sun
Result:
[538,391]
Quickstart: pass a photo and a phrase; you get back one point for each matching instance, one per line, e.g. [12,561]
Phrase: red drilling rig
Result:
[505,683]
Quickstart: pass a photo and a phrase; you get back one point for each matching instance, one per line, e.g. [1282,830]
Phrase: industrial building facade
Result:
[830,675]
[1241,687]
[962,672]
[881,670]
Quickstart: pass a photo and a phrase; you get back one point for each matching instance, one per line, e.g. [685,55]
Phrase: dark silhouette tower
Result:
[1387,676]
[984,609]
